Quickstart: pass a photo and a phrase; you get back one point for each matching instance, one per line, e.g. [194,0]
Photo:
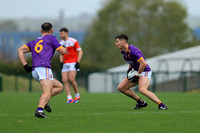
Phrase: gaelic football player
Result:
[42,50]
[136,61]
[69,63]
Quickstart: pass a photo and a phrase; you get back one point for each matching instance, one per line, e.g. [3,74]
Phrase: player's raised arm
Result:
[21,53]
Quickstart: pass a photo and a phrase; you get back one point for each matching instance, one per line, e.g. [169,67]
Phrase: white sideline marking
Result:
[157,112]
[113,113]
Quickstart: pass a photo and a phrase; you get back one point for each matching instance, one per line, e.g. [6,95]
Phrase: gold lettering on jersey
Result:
[38,47]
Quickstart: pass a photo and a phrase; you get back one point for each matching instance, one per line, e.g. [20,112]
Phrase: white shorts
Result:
[69,67]
[42,73]
[147,74]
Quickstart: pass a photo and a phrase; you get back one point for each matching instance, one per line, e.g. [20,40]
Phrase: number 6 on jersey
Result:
[38,46]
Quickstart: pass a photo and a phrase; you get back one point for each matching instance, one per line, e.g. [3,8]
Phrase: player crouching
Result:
[141,73]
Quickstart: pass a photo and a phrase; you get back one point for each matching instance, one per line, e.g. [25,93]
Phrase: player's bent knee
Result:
[120,89]
[60,86]
[143,91]
[60,90]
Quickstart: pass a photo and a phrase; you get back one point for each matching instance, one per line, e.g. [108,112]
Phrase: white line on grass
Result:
[113,113]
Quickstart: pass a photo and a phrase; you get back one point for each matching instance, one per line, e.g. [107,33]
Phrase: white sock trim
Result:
[69,97]
[77,95]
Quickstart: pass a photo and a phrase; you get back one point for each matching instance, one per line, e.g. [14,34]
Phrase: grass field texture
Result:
[100,113]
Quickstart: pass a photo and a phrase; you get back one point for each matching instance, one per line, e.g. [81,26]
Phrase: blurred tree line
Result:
[154,26]
[8,25]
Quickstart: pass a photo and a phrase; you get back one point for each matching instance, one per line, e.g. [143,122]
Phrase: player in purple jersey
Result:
[136,61]
[42,50]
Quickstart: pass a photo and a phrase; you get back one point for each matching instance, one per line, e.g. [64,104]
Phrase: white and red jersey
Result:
[72,46]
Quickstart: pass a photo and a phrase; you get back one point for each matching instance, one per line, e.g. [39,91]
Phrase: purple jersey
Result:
[43,49]
[133,55]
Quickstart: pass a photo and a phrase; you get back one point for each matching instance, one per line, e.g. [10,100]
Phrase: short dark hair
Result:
[46,27]
[122,36]
[64,29]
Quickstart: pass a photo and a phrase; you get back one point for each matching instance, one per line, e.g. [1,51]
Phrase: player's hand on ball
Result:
[132,73]
[128,72]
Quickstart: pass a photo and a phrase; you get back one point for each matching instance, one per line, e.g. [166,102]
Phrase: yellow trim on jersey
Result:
[127,49]
[139,59]
[59,48]
[44,34]
[27,47]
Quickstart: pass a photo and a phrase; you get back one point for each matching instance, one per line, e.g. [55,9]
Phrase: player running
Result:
[69,64]
[42,50]
[136,61]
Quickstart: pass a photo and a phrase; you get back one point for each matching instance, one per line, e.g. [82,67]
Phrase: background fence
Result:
[162,81]
[25,83]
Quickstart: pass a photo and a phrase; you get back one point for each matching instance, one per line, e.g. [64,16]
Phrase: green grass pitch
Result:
[100,113]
